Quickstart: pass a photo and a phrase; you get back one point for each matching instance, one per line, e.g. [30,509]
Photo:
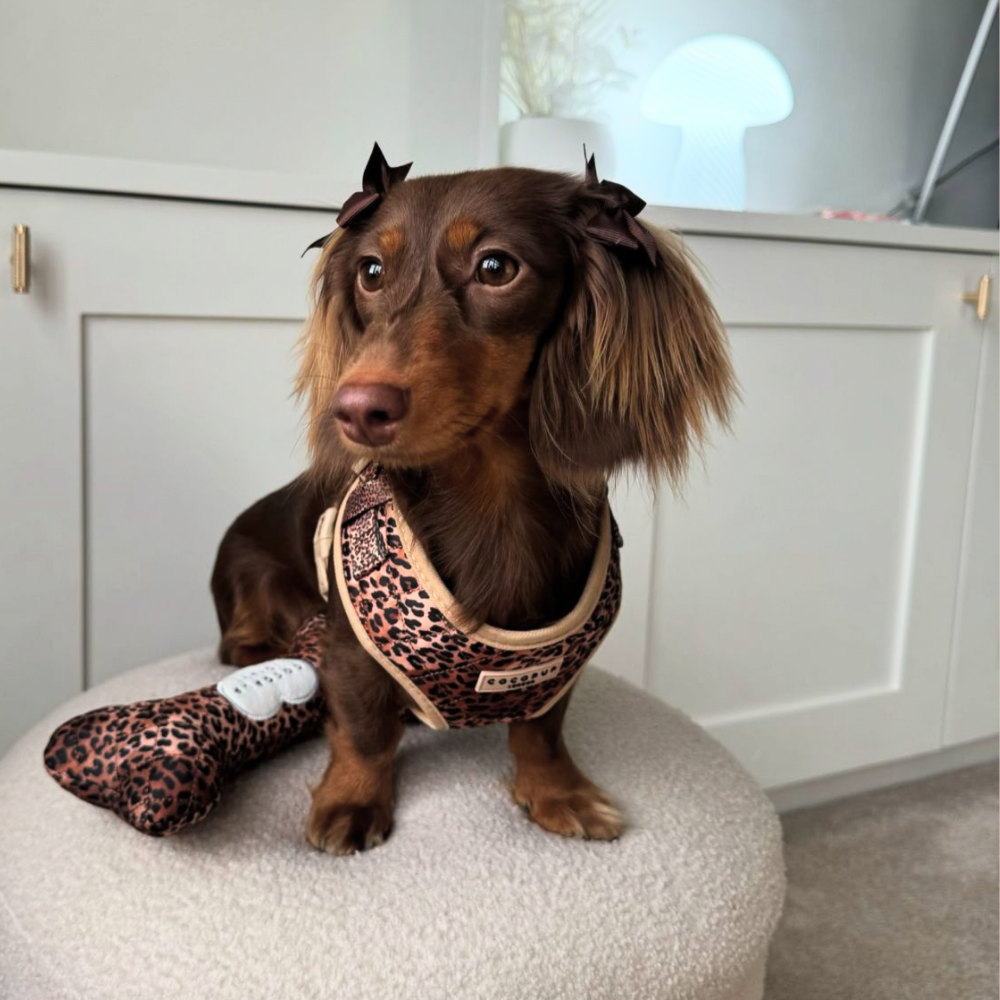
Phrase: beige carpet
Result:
[893,895]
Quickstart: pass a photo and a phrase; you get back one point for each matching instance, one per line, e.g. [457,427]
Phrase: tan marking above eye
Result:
[390,241]
[461,233]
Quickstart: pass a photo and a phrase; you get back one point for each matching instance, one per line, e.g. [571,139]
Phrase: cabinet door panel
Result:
[974,684]
[801,528]
[187,422]
[803,588]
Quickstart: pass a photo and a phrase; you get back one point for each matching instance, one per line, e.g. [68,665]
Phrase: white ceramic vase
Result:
[556,144]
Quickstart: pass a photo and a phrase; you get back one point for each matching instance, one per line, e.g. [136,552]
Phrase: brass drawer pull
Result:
[981,298]
[20,260]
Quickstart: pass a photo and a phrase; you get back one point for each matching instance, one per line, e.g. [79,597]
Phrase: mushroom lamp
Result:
[715,88]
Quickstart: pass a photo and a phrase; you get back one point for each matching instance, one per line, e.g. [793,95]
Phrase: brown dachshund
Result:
[500,342]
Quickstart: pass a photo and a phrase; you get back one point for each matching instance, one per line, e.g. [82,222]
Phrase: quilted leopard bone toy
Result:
[161,765]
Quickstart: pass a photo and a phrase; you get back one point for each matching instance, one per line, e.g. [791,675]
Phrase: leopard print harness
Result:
[407,620]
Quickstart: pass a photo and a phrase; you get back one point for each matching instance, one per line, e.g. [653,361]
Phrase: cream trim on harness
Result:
[504,638]
[322,543]
[423,708]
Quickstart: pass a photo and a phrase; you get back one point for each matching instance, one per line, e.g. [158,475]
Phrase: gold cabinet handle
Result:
[981,298]
[20,260]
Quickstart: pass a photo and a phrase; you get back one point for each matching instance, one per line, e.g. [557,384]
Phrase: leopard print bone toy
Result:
[161,765]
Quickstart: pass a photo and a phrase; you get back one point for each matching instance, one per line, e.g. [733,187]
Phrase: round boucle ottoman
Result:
[466,900]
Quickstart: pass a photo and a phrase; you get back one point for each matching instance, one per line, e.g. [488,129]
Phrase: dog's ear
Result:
[637,368]
[323,350]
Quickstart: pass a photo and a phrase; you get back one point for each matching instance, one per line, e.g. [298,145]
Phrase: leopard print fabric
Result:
[161,764]
[419,645]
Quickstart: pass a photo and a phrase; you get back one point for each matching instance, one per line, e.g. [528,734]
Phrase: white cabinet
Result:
[823,597]
[188,421]
[144,401]
[803,590]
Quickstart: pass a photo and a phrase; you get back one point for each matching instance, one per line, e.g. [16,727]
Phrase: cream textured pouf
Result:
[466,900]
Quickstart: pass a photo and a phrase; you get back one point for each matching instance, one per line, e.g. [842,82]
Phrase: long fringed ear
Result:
[637,371]
[323,350]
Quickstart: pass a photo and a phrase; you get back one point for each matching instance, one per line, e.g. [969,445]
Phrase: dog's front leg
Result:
[352,806]
[551,788]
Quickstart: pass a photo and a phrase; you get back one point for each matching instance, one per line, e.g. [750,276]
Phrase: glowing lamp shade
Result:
[715,88]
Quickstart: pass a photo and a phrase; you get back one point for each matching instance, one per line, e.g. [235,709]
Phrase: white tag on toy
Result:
[258,692]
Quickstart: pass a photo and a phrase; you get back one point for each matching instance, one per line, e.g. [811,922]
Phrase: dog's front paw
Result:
[346,828]
[581,811]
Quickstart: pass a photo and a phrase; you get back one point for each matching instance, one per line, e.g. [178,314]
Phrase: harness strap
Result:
[367,547]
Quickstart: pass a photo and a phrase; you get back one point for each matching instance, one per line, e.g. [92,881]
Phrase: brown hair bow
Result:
[614,221]
[379,178]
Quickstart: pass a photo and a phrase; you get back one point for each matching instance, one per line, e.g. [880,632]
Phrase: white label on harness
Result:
[258,692]
[500,681]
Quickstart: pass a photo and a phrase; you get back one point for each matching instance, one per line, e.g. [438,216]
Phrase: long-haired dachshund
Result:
[497,344]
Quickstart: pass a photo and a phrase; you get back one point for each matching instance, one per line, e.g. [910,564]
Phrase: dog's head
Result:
[482,309]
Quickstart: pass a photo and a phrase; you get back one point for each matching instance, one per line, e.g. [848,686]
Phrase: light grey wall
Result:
[296,85]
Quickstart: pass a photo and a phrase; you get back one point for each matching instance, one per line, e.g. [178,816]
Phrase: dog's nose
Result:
[370,413]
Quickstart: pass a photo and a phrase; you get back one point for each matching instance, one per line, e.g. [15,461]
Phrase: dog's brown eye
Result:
[372,274]
[496,269]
